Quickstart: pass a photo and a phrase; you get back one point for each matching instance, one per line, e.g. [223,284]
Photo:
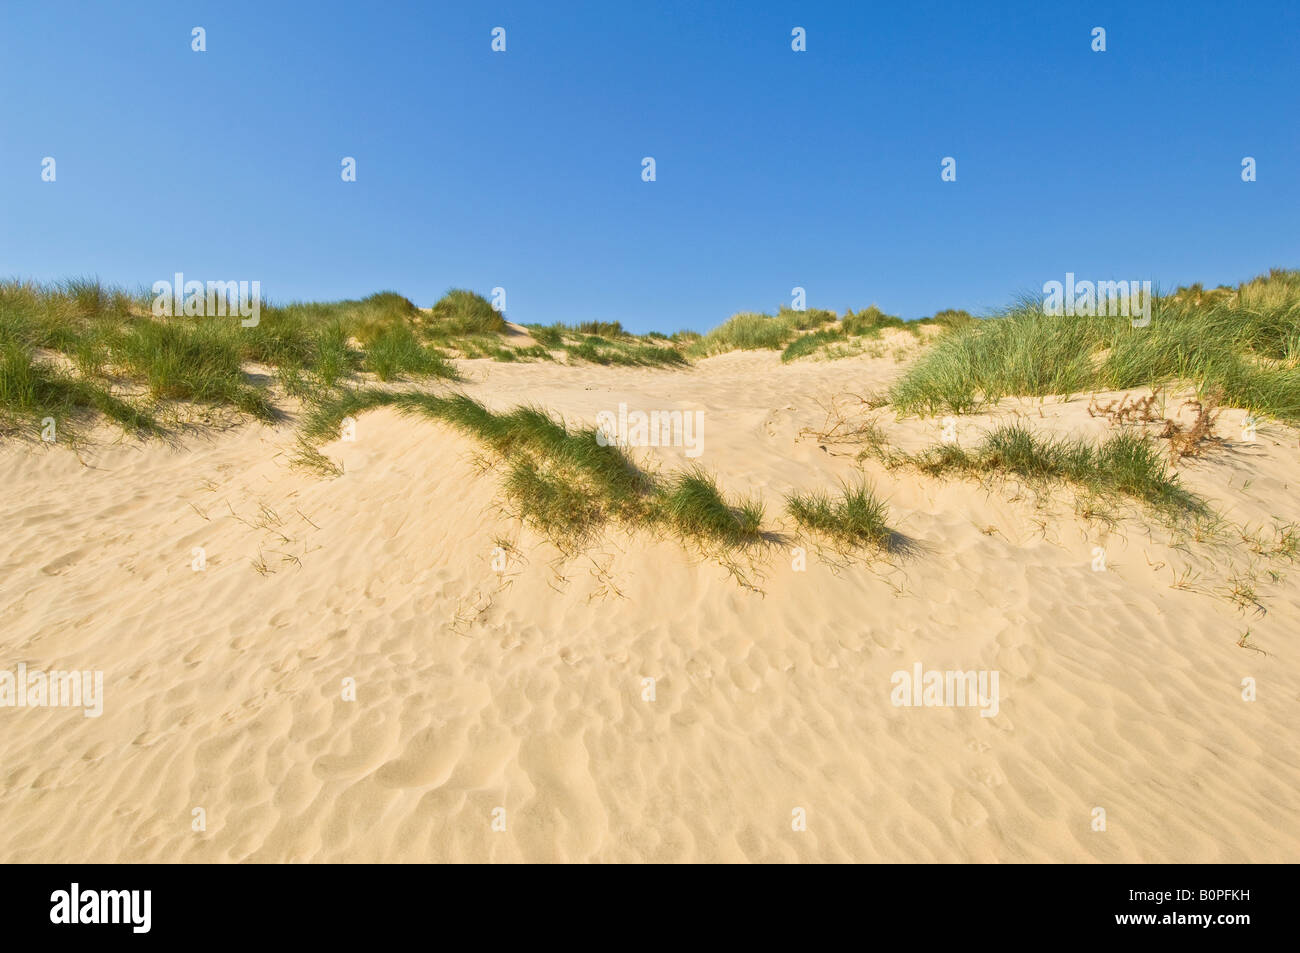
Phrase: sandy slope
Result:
[524,689]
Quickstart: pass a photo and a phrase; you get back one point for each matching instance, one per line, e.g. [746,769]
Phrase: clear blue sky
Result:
[775,168]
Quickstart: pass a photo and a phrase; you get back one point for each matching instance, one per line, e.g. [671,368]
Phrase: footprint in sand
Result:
[59,566]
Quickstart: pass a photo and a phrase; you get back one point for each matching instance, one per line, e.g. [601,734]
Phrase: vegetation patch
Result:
[1125,464]
[1244,347]
[566,482]
[460,312]
[854,518]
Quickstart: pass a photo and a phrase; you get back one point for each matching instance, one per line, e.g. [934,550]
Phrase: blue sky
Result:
[775,169]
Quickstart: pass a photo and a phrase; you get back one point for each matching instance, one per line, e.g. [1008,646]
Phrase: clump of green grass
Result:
[805,320]
[1245,347]
[695,508]
[389,303]
[394,352]
[869,322]
[605,343]
[553,504]
[1125,464]
[283,337]
[333,357]
[194,359]
[849,331]
[856,518]
[317,335]
[550,336]
[807,344]
[460,311]
[32,390]
[489,346]
[598,350]
[608,329]
[535,352]
[555,335]
[114,345]
[747,331]
[949,318]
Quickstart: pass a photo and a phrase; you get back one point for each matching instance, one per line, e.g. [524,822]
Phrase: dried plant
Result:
[1191,440]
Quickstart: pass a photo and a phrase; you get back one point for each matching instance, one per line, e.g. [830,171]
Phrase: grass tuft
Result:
[460,311]
[853,519]
[307,457]
[746,331]
[1125,464]
[695,508]
[394,353]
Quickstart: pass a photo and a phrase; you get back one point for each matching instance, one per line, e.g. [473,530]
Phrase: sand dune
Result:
[524,690]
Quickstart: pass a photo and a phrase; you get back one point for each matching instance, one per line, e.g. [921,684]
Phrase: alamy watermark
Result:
[75,905]
[29,688]
[1117,298]
[215,299]
[657,428]
[945,689]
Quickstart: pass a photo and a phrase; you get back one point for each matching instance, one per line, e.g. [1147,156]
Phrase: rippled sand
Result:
[518,699]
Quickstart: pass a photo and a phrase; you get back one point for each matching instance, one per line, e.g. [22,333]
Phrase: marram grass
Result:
[563,481]
[1126,464]
[853,518]
[1244,346]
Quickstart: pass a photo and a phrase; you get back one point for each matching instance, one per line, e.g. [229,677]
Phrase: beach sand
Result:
[507,716]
